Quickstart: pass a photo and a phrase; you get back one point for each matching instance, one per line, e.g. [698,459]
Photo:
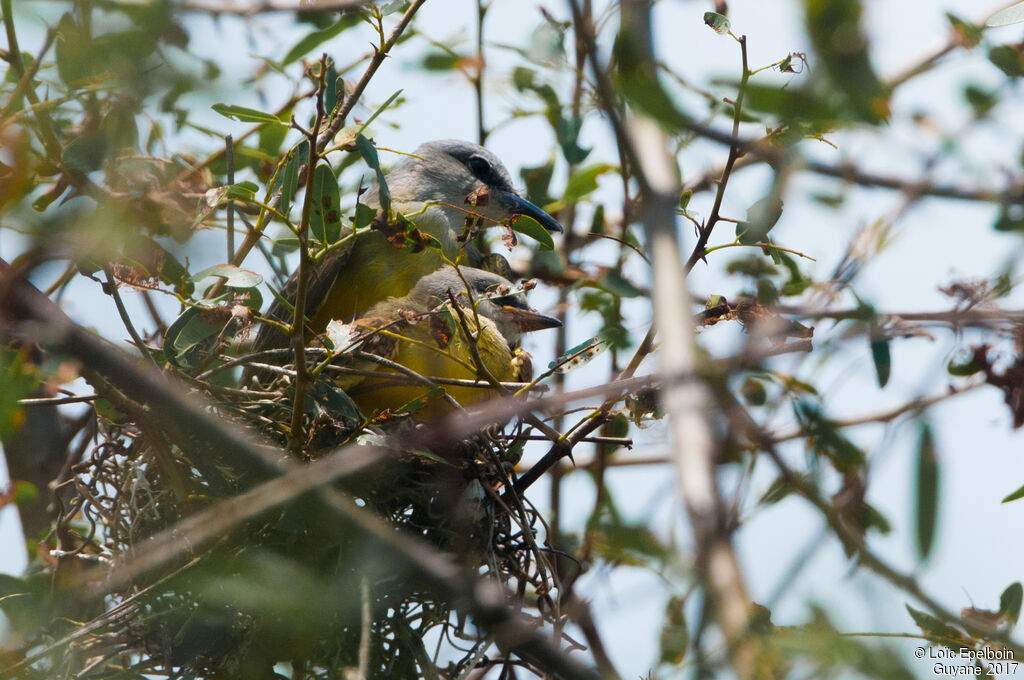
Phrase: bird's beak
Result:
[527,320]
[517,205]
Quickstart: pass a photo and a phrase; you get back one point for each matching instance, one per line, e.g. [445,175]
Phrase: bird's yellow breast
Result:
[420,351]
[374,271]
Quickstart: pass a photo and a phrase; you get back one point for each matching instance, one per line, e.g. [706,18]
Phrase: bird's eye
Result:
[481,169]
[507,301]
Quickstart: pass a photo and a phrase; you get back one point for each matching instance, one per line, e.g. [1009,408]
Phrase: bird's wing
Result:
[321,278]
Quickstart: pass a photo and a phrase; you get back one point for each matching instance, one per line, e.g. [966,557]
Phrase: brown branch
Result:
[685,401]
[955,317]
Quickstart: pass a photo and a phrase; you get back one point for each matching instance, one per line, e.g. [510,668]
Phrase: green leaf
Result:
[25,493]
[86,153]
[325,215]
[524,224]
[11,76]
[1010,601]
[146,253]
[982,101]
[1010,218]
[933,628]
[334,90]
[538,181]
[185,335]
[684,199]
[285,245]
[969,34]
[927,502]
[310,42]
[74,61]
[842,48]
[1016,495]
[719,23]
[579,355]
[364,216]
[380,110]
[617,284]
[245,191]
[419,403]
[106,410]
[1008,59]
[369,153]
[762,216]
[567,132]
[882,357]
[17,380]
[1010,15]
[583,182]
[271,137]
[334,401]
[244,114]
[234,277]
[597,225]
[753,392]
[297,158]
[440,61]
[675,637]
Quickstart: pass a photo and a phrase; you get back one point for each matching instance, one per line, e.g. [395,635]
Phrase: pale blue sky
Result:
[938,241]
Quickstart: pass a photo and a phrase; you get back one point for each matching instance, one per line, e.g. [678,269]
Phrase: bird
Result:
[421,332]
[431,186]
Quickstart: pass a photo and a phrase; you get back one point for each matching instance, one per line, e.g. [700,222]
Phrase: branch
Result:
[775,156]
[743,421]
[686,402]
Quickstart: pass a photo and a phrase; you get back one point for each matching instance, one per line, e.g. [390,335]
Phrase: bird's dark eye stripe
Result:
[509,301]
[482,170]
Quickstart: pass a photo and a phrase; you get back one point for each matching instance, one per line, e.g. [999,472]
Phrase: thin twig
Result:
[111,289]
[298,327]
[58,401]
[229,157]
[699,250]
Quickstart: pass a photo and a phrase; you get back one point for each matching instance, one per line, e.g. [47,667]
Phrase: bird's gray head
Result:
[450,170]
[497,299]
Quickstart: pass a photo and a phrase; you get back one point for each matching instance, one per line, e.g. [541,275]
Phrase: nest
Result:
[288,587]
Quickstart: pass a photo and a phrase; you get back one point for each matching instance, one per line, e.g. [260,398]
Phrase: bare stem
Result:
[700,249]
[298,329]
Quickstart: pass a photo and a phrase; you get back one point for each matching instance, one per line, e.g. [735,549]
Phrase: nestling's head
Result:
[497,299]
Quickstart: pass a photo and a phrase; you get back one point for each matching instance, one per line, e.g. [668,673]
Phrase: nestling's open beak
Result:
[517,205]
[527,320]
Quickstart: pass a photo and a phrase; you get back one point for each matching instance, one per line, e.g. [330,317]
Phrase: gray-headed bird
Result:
[436,187]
